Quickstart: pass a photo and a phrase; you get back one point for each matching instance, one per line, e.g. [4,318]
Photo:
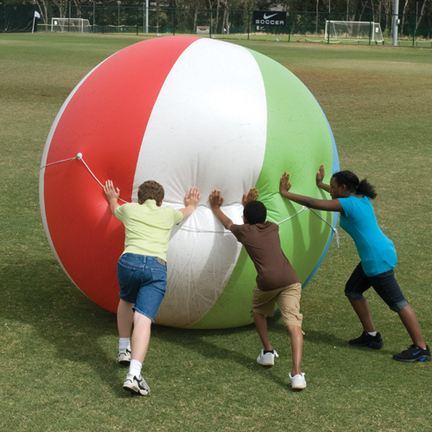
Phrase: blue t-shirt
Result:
[377,252]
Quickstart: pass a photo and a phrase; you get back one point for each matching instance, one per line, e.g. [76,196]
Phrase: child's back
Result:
[262,243]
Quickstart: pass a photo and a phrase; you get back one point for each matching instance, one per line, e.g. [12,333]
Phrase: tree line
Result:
[414,14]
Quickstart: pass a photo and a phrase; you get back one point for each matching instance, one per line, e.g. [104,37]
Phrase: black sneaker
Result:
[366,340]
[414,354]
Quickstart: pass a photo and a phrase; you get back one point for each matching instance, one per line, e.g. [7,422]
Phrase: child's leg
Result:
[289,305]
[356,285]
[140,337]
[140,341]
[361,308]
[297,348]
[410,321]
[125,317]
[388,289]
[261,326]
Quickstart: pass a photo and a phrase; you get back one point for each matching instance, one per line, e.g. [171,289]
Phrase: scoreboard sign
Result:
[272,18]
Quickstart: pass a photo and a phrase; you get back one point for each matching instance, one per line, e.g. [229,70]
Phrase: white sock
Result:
[373,334]
[135,367]
[124,343]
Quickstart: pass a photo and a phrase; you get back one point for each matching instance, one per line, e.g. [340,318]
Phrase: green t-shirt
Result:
[147,227]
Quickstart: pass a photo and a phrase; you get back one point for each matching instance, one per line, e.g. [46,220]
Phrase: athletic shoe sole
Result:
[413,360]
[297,382]
[265,364]
[124,358]
[373,345]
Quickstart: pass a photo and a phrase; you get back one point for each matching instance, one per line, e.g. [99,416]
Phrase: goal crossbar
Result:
[338,30]
[80,25]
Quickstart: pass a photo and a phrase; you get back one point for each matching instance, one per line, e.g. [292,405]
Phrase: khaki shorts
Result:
[287,298]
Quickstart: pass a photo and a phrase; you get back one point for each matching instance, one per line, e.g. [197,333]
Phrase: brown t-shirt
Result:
[262,243]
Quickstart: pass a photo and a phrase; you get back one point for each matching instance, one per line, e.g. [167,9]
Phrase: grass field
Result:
[58,370]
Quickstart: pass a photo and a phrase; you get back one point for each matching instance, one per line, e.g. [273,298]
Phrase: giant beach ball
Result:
[185,111]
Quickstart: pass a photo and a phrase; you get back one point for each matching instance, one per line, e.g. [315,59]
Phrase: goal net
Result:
[338,30]
[79,25]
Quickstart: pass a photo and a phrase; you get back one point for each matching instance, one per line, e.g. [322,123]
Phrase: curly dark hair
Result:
[151,189]
[255,212]
[354,185]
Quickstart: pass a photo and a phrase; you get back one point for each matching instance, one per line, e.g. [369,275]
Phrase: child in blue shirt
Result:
[351,198]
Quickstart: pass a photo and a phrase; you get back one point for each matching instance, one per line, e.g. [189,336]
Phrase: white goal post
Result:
[80,25]
[339,30]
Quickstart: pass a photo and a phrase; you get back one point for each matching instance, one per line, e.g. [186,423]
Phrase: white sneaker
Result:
[298,381]
[136,385]
[124,356]
[267,359]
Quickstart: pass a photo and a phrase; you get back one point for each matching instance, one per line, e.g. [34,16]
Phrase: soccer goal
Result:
[353,30]
[79,25]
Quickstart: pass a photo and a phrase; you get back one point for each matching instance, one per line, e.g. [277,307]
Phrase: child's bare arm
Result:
[191,201]
[216,201]
[319,204]
[112,195]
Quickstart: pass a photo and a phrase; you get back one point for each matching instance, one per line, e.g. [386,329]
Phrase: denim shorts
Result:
[143,282]
[384,284]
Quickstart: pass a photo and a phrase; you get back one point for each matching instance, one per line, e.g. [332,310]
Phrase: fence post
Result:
[146,16]
[395,22]
[174,20]
[211,21]
[69,3]
[94,15]
[249,22]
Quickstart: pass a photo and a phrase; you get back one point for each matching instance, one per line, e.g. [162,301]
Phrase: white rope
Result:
[79,157]
[329,224]
[316,214]
[64,160]
[189,229]
[287,219]
[91,172]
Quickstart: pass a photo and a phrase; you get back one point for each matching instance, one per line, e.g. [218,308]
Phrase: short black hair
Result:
[255,212]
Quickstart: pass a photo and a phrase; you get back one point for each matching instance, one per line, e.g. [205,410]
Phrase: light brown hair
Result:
[151,190]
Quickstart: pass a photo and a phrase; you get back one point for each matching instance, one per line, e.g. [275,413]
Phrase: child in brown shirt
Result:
[277,281]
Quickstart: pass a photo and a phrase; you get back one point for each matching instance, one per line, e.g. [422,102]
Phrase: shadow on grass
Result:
[331,341]
[36,293]
[198,341]
[322,340]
